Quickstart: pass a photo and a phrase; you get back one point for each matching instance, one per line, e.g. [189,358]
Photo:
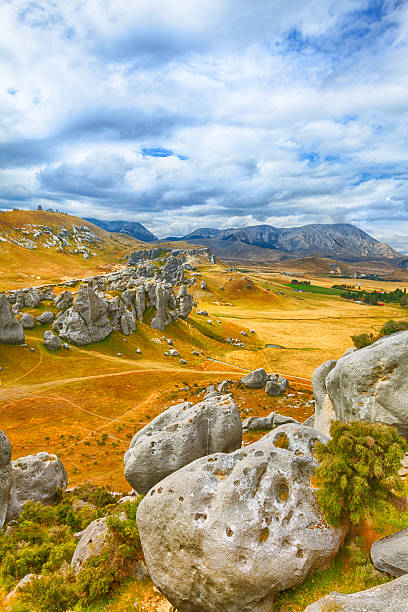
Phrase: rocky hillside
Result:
[131,228]
[338,241]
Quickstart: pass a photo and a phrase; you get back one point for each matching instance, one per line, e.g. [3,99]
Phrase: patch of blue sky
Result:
[160,152]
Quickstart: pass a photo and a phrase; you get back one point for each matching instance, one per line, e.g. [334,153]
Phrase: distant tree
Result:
[362,340]
[358,470]
[39,207]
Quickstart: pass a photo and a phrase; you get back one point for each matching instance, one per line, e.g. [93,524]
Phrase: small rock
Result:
[183,362]
[27,321]
[256,379]
[52,342]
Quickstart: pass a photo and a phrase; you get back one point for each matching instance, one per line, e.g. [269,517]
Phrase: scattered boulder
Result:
[11,330]
[276,385]
[228,531]
[86,321]
[93,540]
[268,422]
[27,321]
[256,379]
[180,435]
[5,476]
[223,386]
[370,384]
[51,341]
[35,477]
[173,353]
[23,582]
[45,318]
[392,596]
[203,285]
[390,554]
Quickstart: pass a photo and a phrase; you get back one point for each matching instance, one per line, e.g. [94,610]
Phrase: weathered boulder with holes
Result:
[370,384]
[64,300]
[93,539]
[271,421]
[180,435]
[389,597]
[86,321]
[390,554]
[35,477]
[256,379]
[32,298]
[5,476]
[276,385]
[229,531]
[11,331]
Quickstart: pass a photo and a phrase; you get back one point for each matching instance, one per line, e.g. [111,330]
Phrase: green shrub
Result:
[53,592]
[358,470]
[362,340]
[98,496]
[390,327]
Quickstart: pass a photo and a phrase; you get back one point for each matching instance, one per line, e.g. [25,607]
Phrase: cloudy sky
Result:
[216,113]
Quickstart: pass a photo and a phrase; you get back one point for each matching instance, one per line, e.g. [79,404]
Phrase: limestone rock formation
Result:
[5,476]
[228,531]
[93,540]
[180,435]
[64,300]
[370,384]
[32,298]
[45,318]
[162,316]
[11,331]
[27,321]
[389,597]
[86,321]
[256,379]
[390,554]
[276,385]
[51,341]
[37,477]
[185,301]
[269,422]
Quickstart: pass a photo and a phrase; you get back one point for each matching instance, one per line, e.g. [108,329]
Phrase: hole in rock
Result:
[281,441]
[200,518]
[282,491]
[229,531]
[181,499]
[259,454]
[264,534]
[159,490]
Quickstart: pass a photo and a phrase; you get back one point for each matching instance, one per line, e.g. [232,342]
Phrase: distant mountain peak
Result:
[131,228]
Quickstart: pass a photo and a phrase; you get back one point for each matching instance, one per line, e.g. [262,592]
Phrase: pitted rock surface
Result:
[228,531]
[93,540]
[51,341]
[27,321]
[389,597]
[5,476]
[269,422]
[45,318]
[370,384]
[86,321]
[180,435]
[11,331]
[35,477]
[276,385]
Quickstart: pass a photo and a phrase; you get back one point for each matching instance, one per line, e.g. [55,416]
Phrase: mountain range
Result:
[131,228]
[340,241]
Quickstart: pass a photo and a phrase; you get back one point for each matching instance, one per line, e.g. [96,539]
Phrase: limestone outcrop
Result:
[256,379]
[51,341]
[228,531]
[180,435]
[268,422]
[390,554]
[35,477]
[86,321]
[370,384]
[11,331]
[5,476]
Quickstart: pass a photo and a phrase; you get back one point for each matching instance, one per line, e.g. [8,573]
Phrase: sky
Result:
[207,113]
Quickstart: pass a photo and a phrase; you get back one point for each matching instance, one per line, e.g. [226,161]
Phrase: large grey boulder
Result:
[5,476]
[185,302]
[45,318]
[27,321]
[35,477]
[228,531]
[86,321]
[276,385]
[390,554]
[389,597]
[11,331]
[180,435]
[268,422]
[51,341]
[370,384]
[162,316]
[32,298]
[256,379]
[93,540]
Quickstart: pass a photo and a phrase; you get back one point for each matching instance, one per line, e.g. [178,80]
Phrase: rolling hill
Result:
[131,228]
